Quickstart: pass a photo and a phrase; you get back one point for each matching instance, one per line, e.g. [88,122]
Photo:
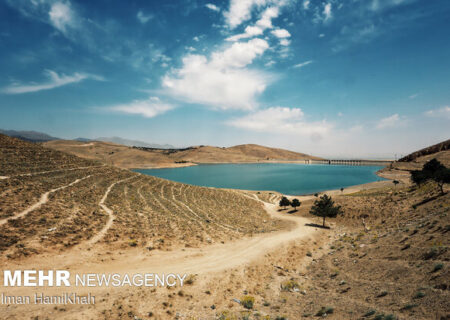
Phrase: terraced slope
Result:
[20,157]
[52,200]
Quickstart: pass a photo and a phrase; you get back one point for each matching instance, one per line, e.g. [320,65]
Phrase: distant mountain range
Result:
[134,143]
[31,136]
[35,136]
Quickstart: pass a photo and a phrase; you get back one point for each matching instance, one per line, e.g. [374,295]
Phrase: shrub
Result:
[409,306]
[438,267]
[369,313]
[324,311]
[289,285]
[190,279]
[247,302]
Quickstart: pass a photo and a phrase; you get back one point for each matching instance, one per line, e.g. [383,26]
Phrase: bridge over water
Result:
[351,162]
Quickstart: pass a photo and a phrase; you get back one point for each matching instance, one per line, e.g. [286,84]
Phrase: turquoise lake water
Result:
[291,179]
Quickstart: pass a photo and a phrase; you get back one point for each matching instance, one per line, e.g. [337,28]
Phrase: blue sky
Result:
[367,78]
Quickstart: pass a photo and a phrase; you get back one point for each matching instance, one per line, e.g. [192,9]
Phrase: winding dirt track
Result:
[110,213]
[205,262]
[42,200]
[212,258]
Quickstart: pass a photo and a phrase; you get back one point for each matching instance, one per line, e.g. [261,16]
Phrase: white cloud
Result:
[303,64]
[212,7]
[147,108]
[281,33]
[281,120]
[250,31]
[55,80]
[143,18]
[240,11]
[443,112]
[285,42]
[413,96]
[239,54]
[389,122]
[61,16]
[379,5]
[265,22]
[327,11]
[223,82]
[306,4]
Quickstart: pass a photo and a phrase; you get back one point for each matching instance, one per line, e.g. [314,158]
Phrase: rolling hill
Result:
[31,136]
[141,157]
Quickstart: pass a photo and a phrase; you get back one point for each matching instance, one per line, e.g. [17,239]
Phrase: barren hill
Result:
[432,150]
[112,154]
[140,157]
[52,199]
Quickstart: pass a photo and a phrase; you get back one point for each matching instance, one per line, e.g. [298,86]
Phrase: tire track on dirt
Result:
[110,213]
[42,200]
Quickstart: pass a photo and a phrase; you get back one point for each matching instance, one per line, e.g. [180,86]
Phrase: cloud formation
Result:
[282,120]
[223,81]
[443,112]
[327,11]
[212,7]
[303,64]
[61,16]
[143,18]
[281,33]
[55,80]
[149,108]
[389,122]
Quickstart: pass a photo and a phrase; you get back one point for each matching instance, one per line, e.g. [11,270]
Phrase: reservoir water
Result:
[290,179]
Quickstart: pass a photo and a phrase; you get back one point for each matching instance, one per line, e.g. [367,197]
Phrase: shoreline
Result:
[191,164]
[384,173]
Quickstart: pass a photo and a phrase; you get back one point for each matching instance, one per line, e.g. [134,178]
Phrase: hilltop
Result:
[142,157]
[31,136]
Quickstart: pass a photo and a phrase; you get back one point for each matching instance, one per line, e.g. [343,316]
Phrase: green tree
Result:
[432,166]
[395,182]
[342,189]
[284,202]
[418,177]
[295,203]
[442,176]
[432,170]
[325,207]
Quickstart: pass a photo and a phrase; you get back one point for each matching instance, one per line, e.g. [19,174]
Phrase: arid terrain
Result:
[386,257]
[137,157]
